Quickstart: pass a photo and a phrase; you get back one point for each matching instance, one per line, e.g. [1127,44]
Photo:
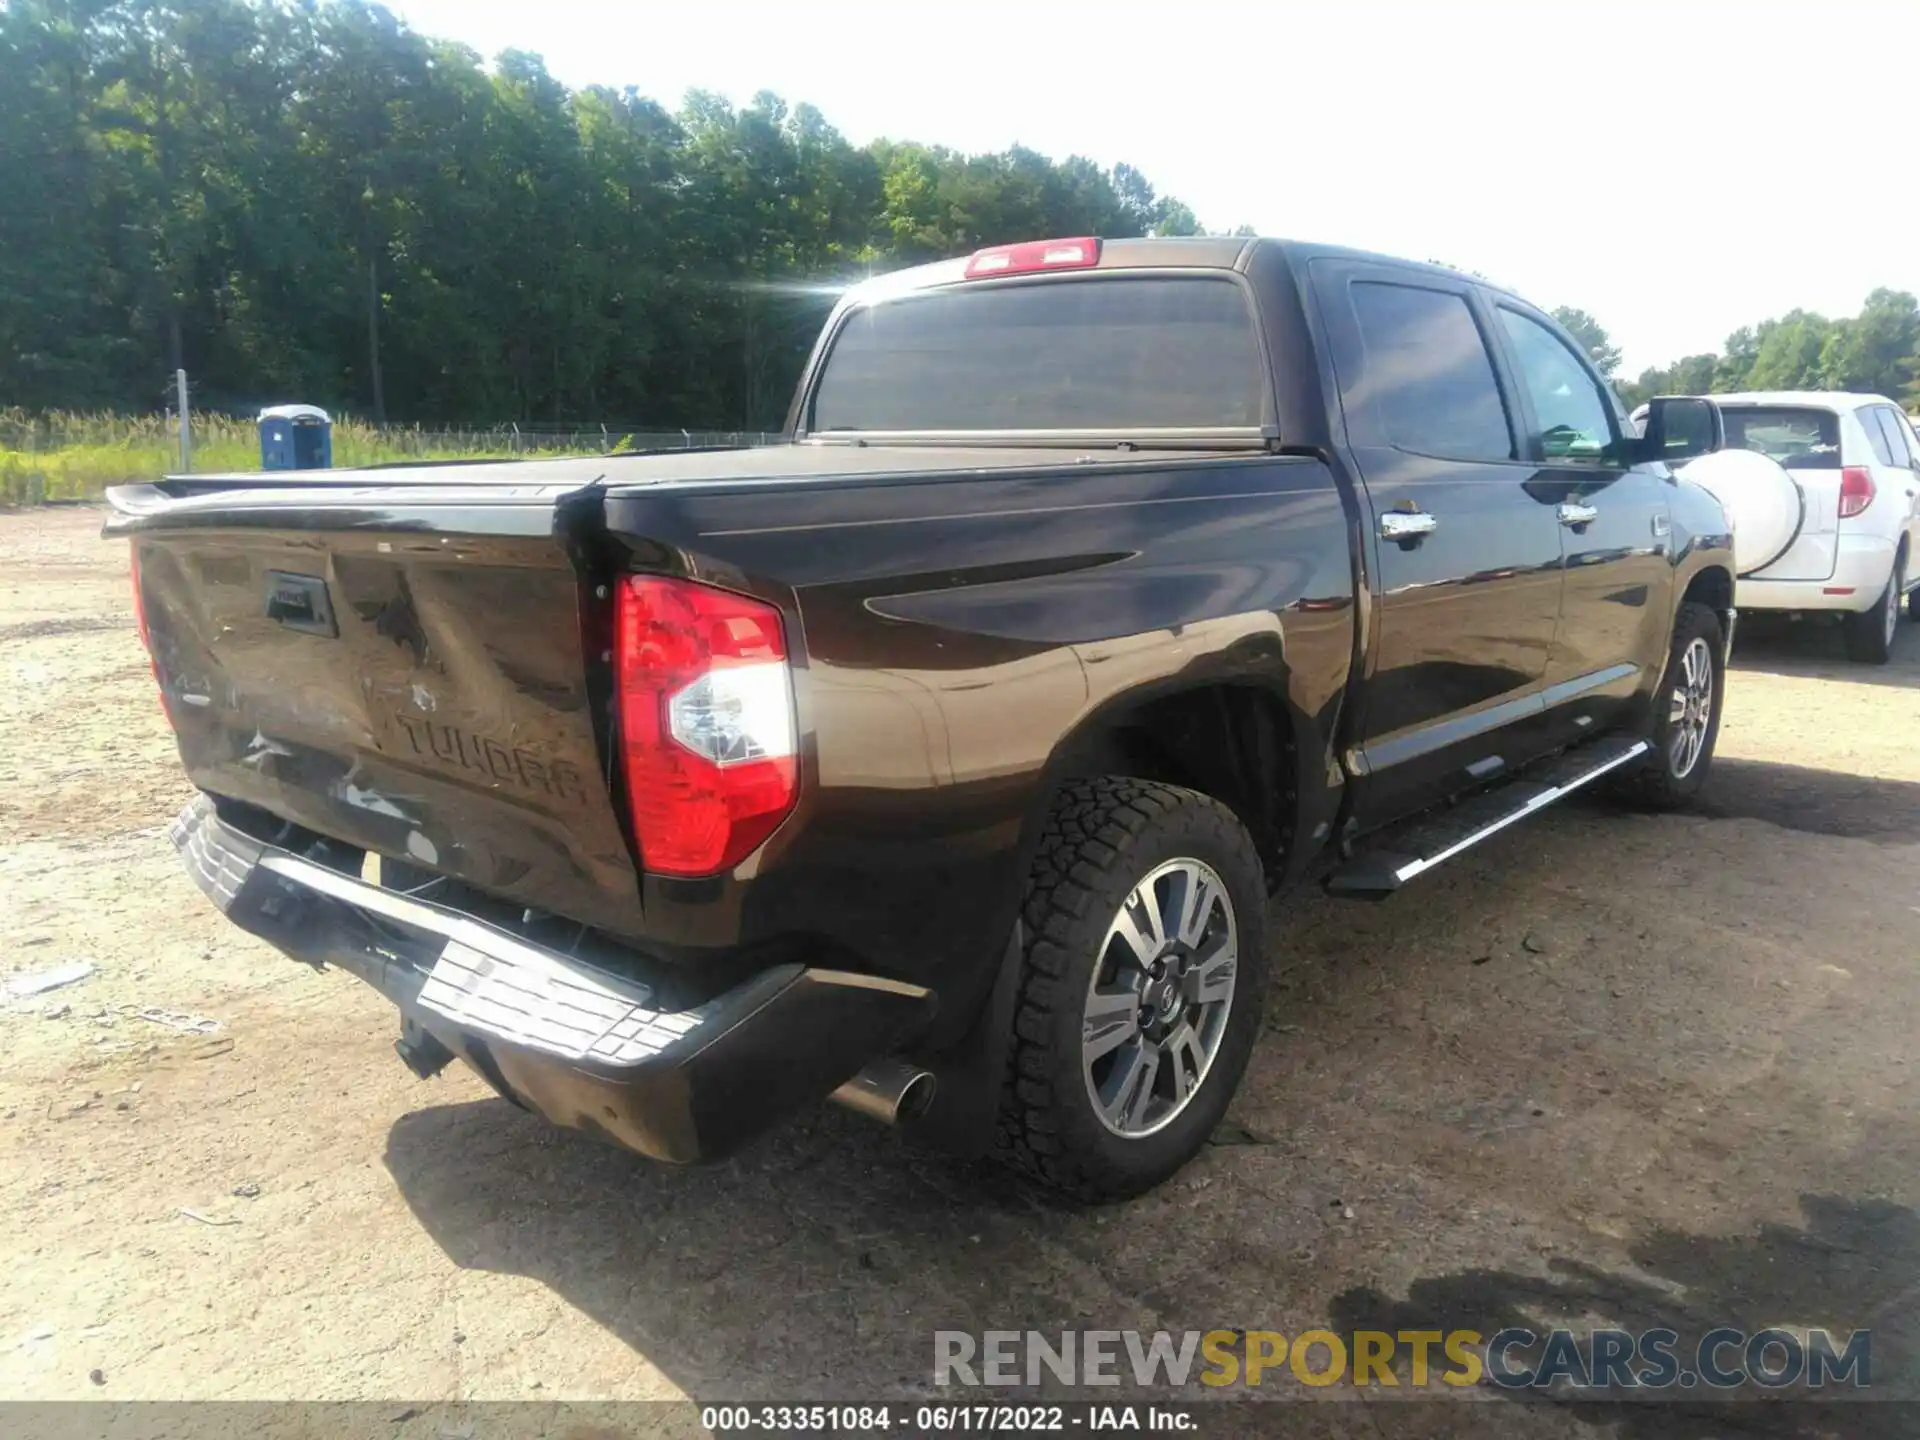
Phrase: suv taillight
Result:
[1856,490]
[706,722]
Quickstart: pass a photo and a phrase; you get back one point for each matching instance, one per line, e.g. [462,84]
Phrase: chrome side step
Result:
[1428,841]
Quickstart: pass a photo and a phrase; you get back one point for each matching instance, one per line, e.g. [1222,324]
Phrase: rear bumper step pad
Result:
[584,1047]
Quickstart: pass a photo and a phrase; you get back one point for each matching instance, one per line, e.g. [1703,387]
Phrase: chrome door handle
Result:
[1406,524]
[1577,515]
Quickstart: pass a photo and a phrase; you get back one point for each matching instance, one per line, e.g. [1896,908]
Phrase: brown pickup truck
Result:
[941,761]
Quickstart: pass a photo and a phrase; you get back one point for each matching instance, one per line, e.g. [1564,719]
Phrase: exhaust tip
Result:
[890,1091]
[916,1099]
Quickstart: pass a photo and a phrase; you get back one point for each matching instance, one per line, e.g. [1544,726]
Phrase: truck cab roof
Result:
[1180,252]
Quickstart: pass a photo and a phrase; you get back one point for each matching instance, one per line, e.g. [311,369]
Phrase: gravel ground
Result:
[1605,1066]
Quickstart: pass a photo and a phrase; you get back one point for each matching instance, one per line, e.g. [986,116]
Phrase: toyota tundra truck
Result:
[942,760]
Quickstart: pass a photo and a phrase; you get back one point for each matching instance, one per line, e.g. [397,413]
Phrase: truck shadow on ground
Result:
[820,1269]
[1815,650]
[1817,802]
[816,1264]
[1853,1267]
[819,1263]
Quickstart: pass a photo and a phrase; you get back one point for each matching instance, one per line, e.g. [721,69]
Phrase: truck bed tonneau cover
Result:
[769,462]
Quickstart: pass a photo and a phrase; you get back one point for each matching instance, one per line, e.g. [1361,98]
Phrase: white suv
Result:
[1832,525]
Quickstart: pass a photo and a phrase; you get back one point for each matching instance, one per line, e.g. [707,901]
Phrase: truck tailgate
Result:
[402,669]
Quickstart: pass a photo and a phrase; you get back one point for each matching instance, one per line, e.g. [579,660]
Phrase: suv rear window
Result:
[1799,438]
[1127,353]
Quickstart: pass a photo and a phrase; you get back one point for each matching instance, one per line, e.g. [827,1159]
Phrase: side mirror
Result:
[1679,427]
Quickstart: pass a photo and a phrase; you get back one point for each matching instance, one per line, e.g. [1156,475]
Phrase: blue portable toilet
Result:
[296,437]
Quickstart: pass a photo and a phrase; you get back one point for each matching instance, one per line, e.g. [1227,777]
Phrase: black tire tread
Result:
[1093,825]
[1865,632]
[1652,786]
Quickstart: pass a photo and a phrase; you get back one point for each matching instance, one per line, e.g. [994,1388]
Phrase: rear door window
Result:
[1121,353]
[1908,432]
[1895,431]
[1428,374]
[1798,437]
[1876,436]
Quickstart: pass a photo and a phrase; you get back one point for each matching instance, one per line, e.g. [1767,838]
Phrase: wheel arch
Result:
[1712,586]
[1237,740]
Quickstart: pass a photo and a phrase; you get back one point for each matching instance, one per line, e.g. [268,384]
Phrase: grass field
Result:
[71,456]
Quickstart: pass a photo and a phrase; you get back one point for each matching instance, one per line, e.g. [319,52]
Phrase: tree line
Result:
[305,199]
[1876,352]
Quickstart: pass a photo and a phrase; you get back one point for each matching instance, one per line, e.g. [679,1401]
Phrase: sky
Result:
[1676,169]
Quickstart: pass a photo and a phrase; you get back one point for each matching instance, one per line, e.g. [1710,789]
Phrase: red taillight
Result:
[139,600]
[1035,255]
[1856,490]
[706,723]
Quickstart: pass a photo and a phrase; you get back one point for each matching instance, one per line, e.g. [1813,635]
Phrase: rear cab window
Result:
[1795,436]
[1099,352]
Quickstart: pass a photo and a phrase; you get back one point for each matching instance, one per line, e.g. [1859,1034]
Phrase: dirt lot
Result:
[1605,1066]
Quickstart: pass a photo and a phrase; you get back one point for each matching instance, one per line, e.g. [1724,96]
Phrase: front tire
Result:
[1870,633]
[1686,713]
[1140,987]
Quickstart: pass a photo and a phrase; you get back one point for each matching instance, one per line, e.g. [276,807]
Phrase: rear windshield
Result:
[1798,438]
[1130,353]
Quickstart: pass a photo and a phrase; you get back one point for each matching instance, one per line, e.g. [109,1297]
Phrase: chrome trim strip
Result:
[1580,684]
[1451,731]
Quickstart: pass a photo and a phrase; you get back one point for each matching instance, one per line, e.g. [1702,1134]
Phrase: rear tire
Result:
[1686,714]
[1869,634]
[1140,988]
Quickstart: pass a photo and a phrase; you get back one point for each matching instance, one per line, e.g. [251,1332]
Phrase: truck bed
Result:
[449,709]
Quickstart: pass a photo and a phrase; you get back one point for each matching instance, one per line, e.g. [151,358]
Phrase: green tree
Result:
[1736,364]
[305,199]
[1874,351]
[1694,375]
[1789,352]
[1593,338]
[63,327]
[1171,217]
[1691,376]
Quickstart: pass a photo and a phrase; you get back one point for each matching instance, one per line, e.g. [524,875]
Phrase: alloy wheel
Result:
[1157,1005]
[1690,709]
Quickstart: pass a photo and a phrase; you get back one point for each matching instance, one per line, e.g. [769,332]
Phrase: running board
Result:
[1429,840]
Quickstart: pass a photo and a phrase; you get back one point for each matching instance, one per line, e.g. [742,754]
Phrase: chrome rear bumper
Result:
[584,1046]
